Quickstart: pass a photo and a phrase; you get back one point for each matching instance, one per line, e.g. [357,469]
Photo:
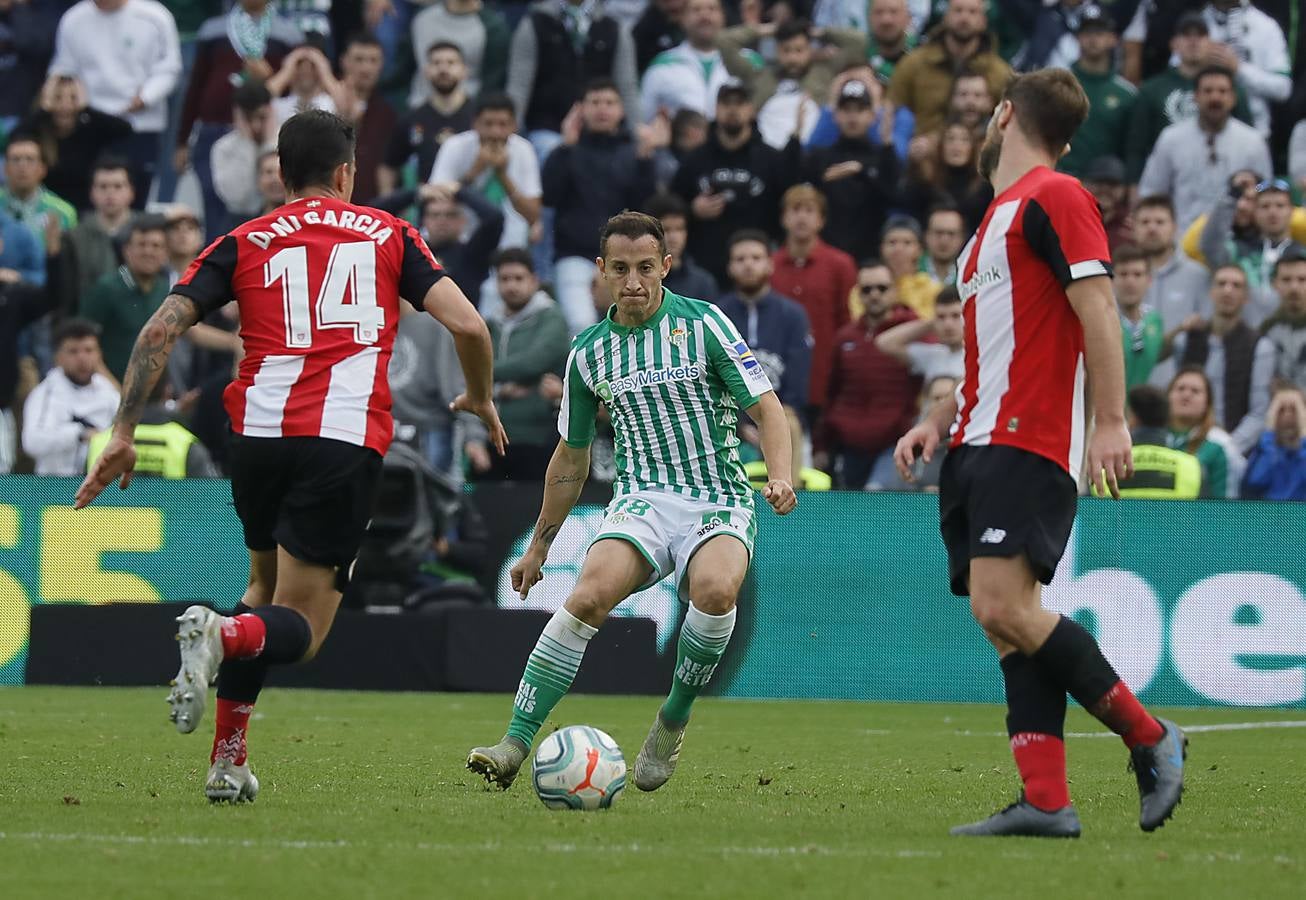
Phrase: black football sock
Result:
[1036,717]
[288,635]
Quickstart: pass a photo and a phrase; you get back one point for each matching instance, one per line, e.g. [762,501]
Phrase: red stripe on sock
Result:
[243,636]
[229,738]
[1041,759]
[1120,711]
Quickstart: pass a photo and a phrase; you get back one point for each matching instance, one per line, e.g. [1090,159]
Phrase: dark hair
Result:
[749,236]
[1050,105]
[74,329]
[1290,257]
[444,45]
[312,145]
[947,296]
[519,256]
[601,83]
[1150,406]
[495,101]
[362,39]
[109,163]
[1128,253]
[1157,201]
[633,225]
[251,96]
[943,207]
[792,28]
[872,262]
[1233,267]
[1208,71]
[663,205]
[28,137]
[145,224]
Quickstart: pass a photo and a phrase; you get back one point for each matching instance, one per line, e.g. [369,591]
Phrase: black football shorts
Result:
[1003,501]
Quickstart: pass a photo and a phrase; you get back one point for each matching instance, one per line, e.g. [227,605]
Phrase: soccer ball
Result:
[579,767]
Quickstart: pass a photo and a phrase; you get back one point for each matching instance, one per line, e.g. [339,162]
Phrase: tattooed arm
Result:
[148,360]
[566,476]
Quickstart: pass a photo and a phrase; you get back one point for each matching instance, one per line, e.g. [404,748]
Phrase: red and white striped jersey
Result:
[318,282]
[1024,380]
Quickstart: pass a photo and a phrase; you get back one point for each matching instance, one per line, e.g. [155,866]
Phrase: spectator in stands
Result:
[1192,160]
[689,75]
[1297,156]
[1239,363]
[1141,327]
[91,248]
[900,122]
[444,224]
[598,171]
[26,42]
[971,100]
[1168,98]
[313,19]
[1111,98]
[236,153]
[1286,328]
[922,81]
[735,180]
[271,189]
[859,179]
[657,30]
[1105,179]
[530,341]
[250,41]
[872,399]
[1050,29]
[1276,467]
[1257,249]
[165,448]
[818,276]
[776,329]
[1179,285]
[22,302]
[73,137]
[478,29]
[900,250]
[930,348]
[70,405]
[20,252]
[891,36]
[127,54]
[925,475]
[559,47]
[1248,41]
[123,300]
[945,234]
[304,81]
[25,197]
[1159,472]
[185,238]
[945,171]
[423,130]
[686,278]
[1193,429]
[499,163]
[366,107]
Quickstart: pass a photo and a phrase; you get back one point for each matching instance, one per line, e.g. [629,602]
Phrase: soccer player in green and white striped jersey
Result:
[673,374]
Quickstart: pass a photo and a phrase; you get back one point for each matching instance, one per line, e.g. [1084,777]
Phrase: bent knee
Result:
[589,605]
[714,594]
[999,619]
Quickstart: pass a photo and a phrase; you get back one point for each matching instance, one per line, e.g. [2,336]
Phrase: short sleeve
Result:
[418,271]
[208,279]
[524,169]
[920,356]
[733,362]
[579,405]
[1063,226]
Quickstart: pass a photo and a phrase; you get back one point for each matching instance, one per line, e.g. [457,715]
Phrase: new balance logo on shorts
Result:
[993,536]
[525,698]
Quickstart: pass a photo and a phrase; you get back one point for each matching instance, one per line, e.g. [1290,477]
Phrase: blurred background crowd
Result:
[812,162]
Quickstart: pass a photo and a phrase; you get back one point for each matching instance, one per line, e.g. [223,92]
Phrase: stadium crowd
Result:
[812,161]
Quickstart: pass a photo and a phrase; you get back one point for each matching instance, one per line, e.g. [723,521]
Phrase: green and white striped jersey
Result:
[673,388]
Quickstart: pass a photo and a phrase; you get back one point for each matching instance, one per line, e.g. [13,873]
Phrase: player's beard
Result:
[989,154]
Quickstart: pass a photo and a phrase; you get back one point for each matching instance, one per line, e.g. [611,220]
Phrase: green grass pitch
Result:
[364,795]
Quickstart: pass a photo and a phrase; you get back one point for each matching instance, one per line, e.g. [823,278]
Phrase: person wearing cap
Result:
[899,123]
[1110,98]
[858,178]
[733,181]
[1105,179]
[690,74]
[1167,97]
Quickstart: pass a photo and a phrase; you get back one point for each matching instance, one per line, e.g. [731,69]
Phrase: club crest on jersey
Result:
[678,337]
[746,357]
[980,280]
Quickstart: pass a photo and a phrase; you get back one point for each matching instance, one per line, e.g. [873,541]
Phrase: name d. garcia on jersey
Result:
[284,226]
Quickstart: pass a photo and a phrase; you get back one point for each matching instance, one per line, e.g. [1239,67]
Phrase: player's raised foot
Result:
[498,764]
[1160,773]
[230,783]
[656,762]
[199,638]
[1024,819]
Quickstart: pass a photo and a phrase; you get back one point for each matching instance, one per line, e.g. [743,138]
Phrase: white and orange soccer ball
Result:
[579,767]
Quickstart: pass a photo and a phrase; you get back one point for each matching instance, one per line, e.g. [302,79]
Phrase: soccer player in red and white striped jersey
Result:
[318,283]
[1040,326]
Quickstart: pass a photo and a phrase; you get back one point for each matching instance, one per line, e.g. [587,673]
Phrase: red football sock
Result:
[243,636]
[229,738]
[1041,759]
[1119,710]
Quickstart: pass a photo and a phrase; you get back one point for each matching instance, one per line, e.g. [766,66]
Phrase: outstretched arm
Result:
[563,481]
[148,360]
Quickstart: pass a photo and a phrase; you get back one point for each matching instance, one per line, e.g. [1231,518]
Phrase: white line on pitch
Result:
[1188,729]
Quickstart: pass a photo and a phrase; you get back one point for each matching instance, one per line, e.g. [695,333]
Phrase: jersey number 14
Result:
[351,271]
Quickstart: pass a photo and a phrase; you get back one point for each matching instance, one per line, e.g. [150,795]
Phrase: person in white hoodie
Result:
[71,404]
[688,75]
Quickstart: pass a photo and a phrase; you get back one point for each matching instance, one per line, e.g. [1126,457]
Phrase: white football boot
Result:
[199,638]
[656,762]
[230,783]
